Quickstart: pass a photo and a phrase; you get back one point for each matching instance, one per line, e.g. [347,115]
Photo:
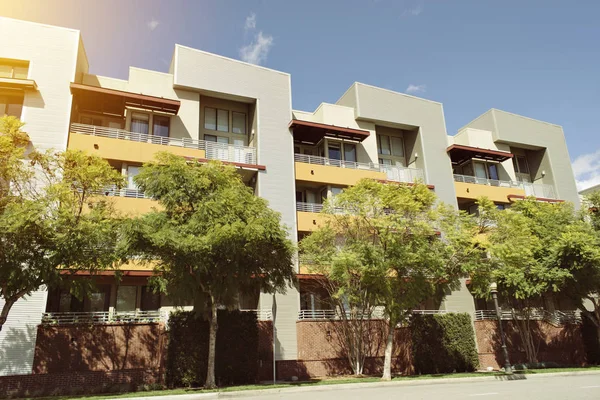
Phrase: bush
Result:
[589,334]
[443,343]
[236,360]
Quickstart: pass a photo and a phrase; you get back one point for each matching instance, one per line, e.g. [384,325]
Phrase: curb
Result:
[341,386]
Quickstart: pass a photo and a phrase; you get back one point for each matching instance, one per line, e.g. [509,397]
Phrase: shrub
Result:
[236,360]
[589,335]
[443,343]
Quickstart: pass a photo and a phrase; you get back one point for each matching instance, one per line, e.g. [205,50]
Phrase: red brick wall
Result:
[111,347]
[563,345]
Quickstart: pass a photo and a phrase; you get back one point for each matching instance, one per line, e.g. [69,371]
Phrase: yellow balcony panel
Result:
[497,194]
[126,150]
[133,207]
[333,175]
[309,221]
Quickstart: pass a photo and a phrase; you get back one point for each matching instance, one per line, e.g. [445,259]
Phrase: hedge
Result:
[236,351]
[443,343]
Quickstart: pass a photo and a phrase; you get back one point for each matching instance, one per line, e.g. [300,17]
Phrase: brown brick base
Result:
[76,382]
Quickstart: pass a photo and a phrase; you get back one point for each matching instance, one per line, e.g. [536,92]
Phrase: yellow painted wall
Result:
[130,206]
[125,150]
[309,221]
[494,193]
[333,175]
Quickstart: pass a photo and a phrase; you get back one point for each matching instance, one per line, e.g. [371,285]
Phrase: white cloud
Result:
[413,11]
[412,89]
[257,51]
[153,24]
[250,22]
[586,169]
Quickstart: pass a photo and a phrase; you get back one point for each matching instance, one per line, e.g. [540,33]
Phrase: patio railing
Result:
[103,317]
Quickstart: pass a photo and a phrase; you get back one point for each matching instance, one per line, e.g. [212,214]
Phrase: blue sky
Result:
[535,58]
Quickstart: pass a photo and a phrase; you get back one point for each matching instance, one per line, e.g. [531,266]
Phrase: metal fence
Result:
[103,317]
[553,317]
[214,150]
[531,189]
[376,313]
[261,314]
[309,207]
[393,172]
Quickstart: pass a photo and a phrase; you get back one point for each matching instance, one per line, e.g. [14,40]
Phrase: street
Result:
[546,387]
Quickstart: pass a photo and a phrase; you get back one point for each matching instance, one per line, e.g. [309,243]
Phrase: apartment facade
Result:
[211,107]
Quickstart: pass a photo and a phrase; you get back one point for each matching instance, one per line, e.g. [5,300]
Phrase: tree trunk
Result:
[5,310]
[389,347]
[212,345]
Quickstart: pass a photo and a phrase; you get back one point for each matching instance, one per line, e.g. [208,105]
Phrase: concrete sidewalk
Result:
[359,385]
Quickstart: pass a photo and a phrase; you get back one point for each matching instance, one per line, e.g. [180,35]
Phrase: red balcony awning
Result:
[99,99]
[459,154]
[313,132]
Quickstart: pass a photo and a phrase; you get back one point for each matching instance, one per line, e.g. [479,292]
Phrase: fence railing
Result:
[552,317]
[309,207]
[531,189]
[103,317]
[393,172]
[123,192]
[214,151]
[261,314]
[377,313]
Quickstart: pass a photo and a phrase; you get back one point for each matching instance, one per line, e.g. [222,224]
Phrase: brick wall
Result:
[562,345]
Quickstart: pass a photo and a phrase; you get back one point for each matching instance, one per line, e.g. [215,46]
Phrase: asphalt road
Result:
[549,387]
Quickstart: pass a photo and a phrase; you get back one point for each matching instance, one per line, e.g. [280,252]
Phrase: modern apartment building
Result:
[211,107]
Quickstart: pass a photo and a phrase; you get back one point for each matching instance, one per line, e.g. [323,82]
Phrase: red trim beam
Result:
[313,132]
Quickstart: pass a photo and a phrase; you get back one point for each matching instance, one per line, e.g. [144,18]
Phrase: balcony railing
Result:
[104,317]
[309,207]
[531,189]
[553,317]
[394,173]
[124,192]
[377,313]
[214,151]
[261,314]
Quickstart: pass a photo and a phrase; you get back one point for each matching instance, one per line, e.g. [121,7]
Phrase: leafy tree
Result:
[391,246]
[51,223]
[213,239]
[523,248]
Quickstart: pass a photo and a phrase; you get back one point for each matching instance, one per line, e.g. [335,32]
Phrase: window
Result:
[131,174]
[520,164]
[11,105]
[350,152]
[390,149]
[126,298]
[383,145]
[210,118]
[15,69]
[223,120]
[150,300]
[139,126]
[238,122]
[335,152]
[160,126]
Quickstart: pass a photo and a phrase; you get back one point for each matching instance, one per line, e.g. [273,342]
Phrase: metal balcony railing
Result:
[531,189]
[124,192]
[261,314]
[309,207]
[377,313]
[104,317]
[553,317]
[214,151]
[393,172]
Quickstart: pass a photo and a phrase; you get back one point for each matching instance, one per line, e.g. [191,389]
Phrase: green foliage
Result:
[443,343]
[213,239]
[237,359]
[51,224]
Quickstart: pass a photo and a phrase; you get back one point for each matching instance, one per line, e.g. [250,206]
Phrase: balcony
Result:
[104,317]
[338,172]
[556,318]
[377,313]
[472,187]
[130,201]
[119,144]
[308,216]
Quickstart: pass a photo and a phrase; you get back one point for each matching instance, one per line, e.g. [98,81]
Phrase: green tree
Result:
[391,246]
[522,248]
[51,223]
[212,240]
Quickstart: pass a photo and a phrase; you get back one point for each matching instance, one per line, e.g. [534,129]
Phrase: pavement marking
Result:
[483,394]
[590,387]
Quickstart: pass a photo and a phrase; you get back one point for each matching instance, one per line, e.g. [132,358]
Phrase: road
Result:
[548,387]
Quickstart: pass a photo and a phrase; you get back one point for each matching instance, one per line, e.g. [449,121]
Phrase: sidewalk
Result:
[342,386]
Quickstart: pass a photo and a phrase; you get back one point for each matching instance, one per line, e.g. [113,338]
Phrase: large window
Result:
[140,124]
[160,126]
[126,298]
[238,122]
[132,172]
[521,168]
[11,105]
[216,119]
[390,149]
[341,151]
[15,69]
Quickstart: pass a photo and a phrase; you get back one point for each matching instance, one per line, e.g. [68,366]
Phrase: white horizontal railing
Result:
[261,314]
[553,317]
[393,172]
[214,151]
[124,192]
[104,317]
[531,189]
[377,313]
[309,207]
